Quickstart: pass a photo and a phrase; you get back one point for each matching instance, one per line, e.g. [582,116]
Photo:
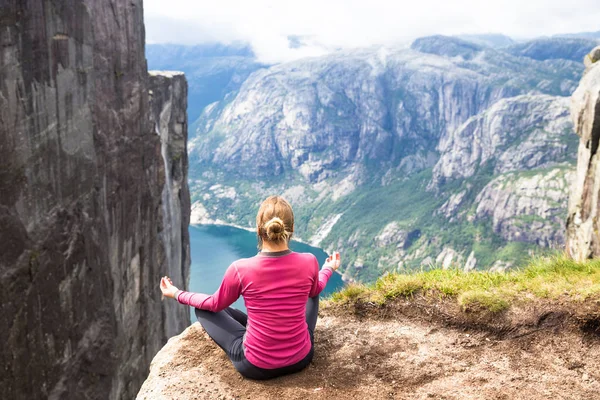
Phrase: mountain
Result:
[212,70]
[584,35]
[554,48]
[400,158]
[494,40]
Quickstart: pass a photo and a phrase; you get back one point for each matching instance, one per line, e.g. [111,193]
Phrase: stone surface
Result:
[168,103]
[449,258]
[82,201]
[471,262]
[592,57]
[582,225]
[519,133]
[391,233]
[417,350]
[527,208]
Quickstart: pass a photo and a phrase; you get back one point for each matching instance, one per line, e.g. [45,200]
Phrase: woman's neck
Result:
[273,247]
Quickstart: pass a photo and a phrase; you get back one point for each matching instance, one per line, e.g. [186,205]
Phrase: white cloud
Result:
[266,24]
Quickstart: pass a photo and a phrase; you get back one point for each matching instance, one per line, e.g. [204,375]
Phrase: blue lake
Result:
[213,248]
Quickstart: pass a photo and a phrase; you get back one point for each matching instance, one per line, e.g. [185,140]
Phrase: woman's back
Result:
[276,287]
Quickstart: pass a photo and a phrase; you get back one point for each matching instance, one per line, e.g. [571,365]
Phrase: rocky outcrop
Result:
[582,224]
[592,57]
[448,258]
[527,207]
[520,133]
[83,200]
[168,102]
[415,348]
[523,148]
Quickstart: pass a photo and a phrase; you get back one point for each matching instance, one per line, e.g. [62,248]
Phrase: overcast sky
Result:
[266,24]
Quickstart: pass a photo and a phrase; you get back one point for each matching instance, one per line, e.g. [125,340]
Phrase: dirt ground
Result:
[410,350]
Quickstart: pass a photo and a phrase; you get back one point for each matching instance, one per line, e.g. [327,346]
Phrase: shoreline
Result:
[223,223]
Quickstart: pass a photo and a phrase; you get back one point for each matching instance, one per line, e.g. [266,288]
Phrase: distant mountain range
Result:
[450,152]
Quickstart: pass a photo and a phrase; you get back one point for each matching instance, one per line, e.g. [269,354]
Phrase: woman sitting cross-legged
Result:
[281,292]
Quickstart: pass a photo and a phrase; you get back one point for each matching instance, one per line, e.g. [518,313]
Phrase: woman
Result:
[281,292]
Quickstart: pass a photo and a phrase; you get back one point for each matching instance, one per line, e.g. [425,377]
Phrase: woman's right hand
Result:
[167,288]
[333,261]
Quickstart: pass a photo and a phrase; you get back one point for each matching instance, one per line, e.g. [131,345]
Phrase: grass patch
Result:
[479,299]
[547,277]
[352,292]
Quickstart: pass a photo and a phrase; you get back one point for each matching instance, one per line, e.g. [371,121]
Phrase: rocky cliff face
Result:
[386,154]
[322,116]
[514,134]
[582,225]
[527,207]
[86,199]
[168,102]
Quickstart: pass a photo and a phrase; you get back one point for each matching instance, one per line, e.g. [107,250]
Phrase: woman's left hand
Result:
[167,288]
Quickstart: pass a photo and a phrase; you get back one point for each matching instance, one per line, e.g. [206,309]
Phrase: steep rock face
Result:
[512,164]
[82,242]
[519,133]
[527,208]
[582,224]
[168,101]
[320,116]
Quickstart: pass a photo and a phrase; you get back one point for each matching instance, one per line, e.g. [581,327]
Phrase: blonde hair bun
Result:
[275,230]
[274,221]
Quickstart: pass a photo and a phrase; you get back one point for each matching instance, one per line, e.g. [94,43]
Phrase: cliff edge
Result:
[410,349]
[583,240]
[94,205]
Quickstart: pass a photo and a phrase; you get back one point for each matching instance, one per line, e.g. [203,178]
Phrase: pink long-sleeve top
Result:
[275,289]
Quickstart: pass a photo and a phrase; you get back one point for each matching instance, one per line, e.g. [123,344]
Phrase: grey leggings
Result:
[227,329]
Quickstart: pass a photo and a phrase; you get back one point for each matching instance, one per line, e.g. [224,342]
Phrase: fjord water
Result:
[213,248]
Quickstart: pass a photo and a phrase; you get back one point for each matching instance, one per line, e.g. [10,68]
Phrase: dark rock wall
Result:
[81,202]
[168,102]
[583,227]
